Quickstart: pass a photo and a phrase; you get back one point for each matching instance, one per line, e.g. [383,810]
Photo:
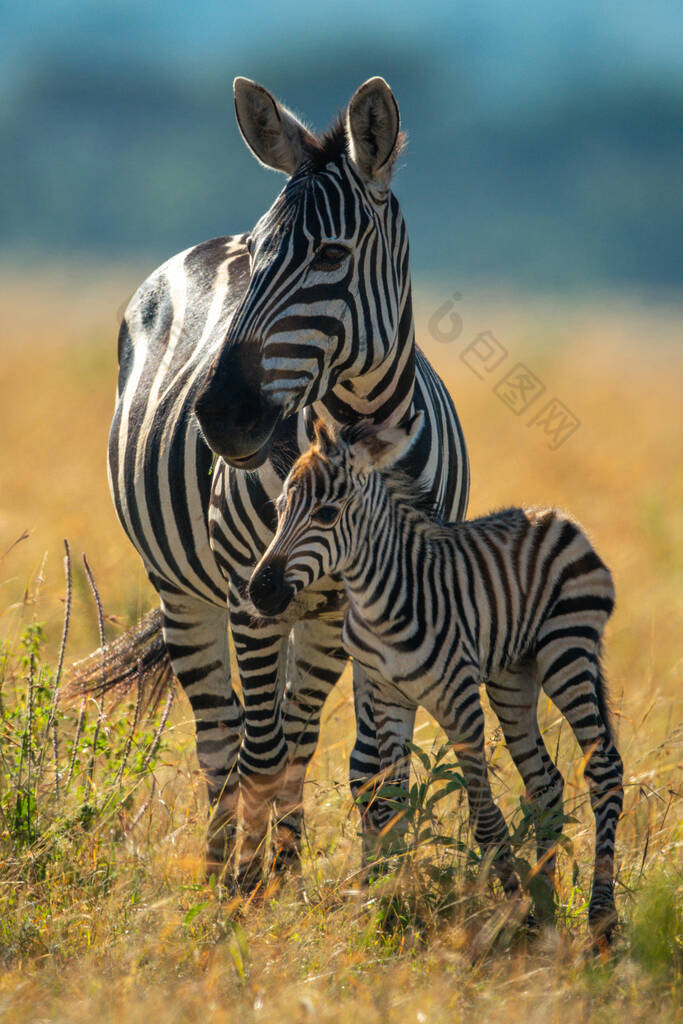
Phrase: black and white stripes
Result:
[516,601]
[248,337]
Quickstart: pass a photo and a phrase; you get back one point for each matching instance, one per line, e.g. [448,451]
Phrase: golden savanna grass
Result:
[121,926]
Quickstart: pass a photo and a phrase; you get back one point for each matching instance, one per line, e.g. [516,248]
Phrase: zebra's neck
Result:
[384,394]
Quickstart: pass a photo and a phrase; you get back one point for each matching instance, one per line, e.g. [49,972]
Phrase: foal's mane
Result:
[405,491]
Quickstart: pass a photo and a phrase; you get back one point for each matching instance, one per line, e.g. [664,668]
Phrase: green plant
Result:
[66,770]
[656,926]
[424,859]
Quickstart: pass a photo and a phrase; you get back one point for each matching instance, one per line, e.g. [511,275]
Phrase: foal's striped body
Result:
[516,601]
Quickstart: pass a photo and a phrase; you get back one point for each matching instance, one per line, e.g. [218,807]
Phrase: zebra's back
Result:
[159,464]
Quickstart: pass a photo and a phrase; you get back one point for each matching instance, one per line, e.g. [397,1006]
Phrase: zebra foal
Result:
[517,601]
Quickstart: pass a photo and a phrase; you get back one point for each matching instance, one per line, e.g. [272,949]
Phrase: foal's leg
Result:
[570,675]
[385,824]
[458,710]
[366,763]
[514,699]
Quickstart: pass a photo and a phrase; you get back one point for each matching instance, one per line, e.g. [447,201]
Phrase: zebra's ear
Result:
[381,448]
[274,135]
[373,127]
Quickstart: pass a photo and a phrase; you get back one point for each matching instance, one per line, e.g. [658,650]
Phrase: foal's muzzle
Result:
[268,590]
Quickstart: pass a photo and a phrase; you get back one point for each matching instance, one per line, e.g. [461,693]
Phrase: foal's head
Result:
[320,511]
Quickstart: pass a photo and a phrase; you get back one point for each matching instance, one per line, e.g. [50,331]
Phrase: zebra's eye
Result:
[326,515]
[329,257]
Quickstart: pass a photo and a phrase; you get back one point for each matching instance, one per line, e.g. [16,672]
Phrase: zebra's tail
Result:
[139,657]
[602,697]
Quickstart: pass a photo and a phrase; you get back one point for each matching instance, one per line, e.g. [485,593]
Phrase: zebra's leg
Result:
[394,719]
[196,635]
[571,676]
[261,650]
[316,660]
[457,708]
[514,699]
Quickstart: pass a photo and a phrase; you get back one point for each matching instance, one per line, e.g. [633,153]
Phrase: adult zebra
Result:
[308,314]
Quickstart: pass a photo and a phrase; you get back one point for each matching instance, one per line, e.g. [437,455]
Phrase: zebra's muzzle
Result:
[236,417]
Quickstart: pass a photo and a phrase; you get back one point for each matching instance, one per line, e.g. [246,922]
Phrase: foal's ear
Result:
[373,127]
[274,135]
[323,436]
[381,448]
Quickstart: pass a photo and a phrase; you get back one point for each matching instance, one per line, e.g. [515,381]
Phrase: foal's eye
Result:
[326,515]
[330,257]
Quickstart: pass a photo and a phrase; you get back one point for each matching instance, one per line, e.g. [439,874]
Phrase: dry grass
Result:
[126,929]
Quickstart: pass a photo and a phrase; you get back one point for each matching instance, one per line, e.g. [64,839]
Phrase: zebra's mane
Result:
[331,145]
[405,491]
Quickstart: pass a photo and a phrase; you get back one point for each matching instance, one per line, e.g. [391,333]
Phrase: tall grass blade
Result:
[157,735]
[52,727]
[100,703]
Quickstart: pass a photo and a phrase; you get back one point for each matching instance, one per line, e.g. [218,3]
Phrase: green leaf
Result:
[451,787]
[423,758]
[193,911]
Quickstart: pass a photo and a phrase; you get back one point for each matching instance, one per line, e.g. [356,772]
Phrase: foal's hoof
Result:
[218,866]
[602,921]
[604,927]
[286,860]
[219,855]
[249,882]
[542,891]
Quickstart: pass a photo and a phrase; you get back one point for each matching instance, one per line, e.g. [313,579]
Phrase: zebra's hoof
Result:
[542,891]
[221,879]
[531,925]
[220,850]
[218,868]
[249,880]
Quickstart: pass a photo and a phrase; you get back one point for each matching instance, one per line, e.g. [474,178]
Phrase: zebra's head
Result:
[326,498]
[328,273]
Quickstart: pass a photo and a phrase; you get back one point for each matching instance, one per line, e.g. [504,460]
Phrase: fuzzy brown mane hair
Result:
[404,489]
[332,145]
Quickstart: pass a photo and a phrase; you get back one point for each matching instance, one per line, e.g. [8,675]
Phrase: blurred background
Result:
[542,191]
[544,139]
